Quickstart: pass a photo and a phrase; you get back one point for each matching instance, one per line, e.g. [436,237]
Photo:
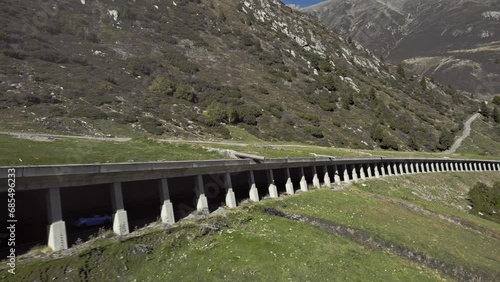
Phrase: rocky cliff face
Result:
[190,68]
[455,41]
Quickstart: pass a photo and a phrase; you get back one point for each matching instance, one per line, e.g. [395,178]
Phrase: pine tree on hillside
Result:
[401,71]
[496,115]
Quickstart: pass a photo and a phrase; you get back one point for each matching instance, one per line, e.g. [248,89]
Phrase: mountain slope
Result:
[455,41]
[189,68]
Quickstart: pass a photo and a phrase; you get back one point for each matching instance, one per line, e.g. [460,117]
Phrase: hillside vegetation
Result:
[404,228]
[191,68]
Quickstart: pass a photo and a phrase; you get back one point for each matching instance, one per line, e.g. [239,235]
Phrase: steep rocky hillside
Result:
[455,41]
[189,68]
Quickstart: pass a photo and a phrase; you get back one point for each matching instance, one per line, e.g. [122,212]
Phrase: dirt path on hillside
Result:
[48,137]
[464,135]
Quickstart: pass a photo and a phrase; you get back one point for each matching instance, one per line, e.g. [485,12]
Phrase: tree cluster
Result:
[485,199]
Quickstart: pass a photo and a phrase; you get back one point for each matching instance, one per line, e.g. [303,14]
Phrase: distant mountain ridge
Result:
[455,41]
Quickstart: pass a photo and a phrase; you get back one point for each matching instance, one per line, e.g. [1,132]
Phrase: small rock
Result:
[141,248]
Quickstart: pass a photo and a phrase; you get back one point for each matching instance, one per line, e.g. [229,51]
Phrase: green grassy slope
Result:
[248,244]
[15,151]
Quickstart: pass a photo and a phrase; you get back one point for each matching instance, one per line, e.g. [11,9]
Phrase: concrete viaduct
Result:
[49,196]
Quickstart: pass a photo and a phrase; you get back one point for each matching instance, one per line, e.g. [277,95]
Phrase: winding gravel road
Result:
[464,135]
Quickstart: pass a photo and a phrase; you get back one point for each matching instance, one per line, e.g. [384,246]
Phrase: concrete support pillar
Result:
[382,169]
[489,167]
[201,202]
[427,167]
[57,227]
[346,174]
[369,170]
[167,209]
[253,193]
[230,196]
[315,178]
[120,219]
[461,166]
[303,182]
[395,169]
[401,169]
[336,177]
[375,170]
[475,167]
[466,167]
[441,165]
[389,170]
[436,166]
[362,172]
[326,178]
[273,191]
[289,184]
[406,168]
[354,173]
[417,167]
[432,167]
[412,168]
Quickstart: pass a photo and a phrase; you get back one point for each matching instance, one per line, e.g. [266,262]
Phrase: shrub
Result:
[88,111]
[14,54]
[185,92]
[329,82]
[214,114]
[382,137]
[445,139]
[327,106]
[50,55]
[142,66]
[275,109]
[485,199]
[496,114]
[180,61]
[401,71]
[315,132]
[496,100]
[312,119]
[151,125]
[162,85]
[249,114]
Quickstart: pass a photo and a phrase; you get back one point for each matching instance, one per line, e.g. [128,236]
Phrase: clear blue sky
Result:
[302,3]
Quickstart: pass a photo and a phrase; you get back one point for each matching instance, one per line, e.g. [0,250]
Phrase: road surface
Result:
[464,135]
